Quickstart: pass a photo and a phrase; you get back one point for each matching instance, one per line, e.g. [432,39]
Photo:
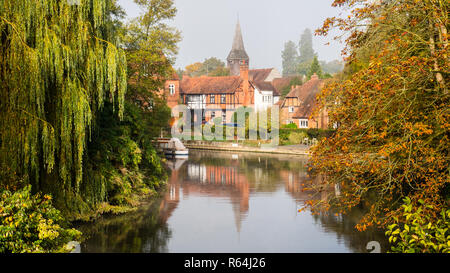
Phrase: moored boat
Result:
[172,147]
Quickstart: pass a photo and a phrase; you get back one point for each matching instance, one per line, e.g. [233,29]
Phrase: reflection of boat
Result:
[172,147]
[176,163]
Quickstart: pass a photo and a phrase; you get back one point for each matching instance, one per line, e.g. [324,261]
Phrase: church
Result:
[221,96]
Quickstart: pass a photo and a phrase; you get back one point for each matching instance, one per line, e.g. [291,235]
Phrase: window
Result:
[223,98]
[213,115]
[291,109]
[303,123]
[172,89]
[212,99]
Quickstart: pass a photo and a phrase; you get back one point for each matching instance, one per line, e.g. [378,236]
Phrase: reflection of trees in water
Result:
[344,227]
[140,231]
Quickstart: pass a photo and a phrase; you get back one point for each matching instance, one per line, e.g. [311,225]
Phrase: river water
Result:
[231,202]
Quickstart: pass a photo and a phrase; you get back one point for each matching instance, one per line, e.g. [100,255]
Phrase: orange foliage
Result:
[392,108]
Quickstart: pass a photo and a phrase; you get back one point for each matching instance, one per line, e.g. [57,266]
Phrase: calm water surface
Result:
[230,202]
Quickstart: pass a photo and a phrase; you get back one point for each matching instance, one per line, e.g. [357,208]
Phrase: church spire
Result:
[237,55]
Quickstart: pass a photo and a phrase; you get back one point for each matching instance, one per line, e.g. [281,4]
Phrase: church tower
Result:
[238,57]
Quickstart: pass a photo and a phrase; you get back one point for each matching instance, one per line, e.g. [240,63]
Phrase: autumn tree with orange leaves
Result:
[391,107]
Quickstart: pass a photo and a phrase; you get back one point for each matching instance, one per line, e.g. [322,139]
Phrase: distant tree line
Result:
[212,67]
[302,60]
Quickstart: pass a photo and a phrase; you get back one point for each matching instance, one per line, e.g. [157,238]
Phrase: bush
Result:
[310,133]
[289,126]
[419,233]
[31,224]
[297,137]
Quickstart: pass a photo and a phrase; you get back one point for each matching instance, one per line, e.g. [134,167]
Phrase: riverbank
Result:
[237,147]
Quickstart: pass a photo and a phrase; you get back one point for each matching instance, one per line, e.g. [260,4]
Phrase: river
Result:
[231,202]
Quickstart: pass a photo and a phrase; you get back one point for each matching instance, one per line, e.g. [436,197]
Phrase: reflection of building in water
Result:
[214,181]
[220,181]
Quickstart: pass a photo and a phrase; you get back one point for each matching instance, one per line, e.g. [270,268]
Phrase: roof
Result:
[259,75]
[238,51]
[210,85]
[281,83]
[264,86]
[307,95]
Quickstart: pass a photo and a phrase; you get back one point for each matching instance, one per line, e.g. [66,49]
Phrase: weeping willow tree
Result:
[58,65]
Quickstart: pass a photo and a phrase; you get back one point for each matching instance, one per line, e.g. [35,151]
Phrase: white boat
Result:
[175,148]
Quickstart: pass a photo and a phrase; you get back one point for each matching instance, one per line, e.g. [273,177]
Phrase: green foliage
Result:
[297,137]
[417,232]
[304,67]
[121,161]
[151,46]
[212,67]
[121,165]
[59,65]
[318,134]
[289,126]
[219,72]
[315,69]
[29,223]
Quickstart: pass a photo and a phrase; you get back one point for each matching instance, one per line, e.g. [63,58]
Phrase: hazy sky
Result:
[208,26]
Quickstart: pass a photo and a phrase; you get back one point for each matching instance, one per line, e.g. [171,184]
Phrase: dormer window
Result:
[172,89]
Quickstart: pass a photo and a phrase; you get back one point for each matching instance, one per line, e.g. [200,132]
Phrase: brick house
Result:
[221,96]
[170,90]
[298,106]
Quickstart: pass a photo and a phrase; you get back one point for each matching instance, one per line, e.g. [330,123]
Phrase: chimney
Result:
[243,71]
[314,77]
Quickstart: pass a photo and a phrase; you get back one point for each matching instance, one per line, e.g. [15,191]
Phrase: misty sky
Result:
[208,26]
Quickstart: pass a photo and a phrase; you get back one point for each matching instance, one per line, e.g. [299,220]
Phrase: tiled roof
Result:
[210,85]
[281,83]
[307,95]
[264,86]
[259,75]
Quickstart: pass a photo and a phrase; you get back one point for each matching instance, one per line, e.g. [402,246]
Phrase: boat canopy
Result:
[176,144]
